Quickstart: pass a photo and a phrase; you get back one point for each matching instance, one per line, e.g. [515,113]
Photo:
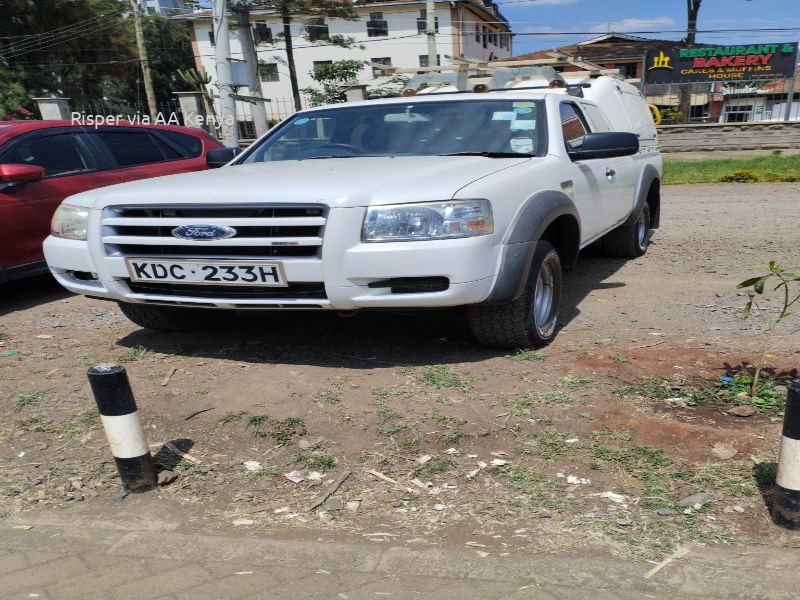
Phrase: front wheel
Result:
[174,318]
[530,321]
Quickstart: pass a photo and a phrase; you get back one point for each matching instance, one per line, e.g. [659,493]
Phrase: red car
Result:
[43,162]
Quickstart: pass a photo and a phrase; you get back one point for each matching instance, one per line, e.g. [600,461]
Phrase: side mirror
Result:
[607,144]
[219,157]
[12,173]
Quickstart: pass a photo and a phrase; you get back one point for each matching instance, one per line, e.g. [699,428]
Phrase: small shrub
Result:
[740,176]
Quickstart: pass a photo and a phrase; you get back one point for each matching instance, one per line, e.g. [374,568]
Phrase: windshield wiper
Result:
[490,154]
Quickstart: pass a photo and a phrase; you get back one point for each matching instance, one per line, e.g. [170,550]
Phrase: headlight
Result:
[70,222]
[428,221]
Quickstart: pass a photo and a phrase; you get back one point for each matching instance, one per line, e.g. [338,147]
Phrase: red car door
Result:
[26,210]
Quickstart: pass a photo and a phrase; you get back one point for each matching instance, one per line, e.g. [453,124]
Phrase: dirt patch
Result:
[587,439]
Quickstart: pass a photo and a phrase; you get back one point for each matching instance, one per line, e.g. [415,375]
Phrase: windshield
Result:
[487,127]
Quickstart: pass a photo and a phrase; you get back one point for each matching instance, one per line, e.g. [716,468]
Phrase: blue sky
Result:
[554,20]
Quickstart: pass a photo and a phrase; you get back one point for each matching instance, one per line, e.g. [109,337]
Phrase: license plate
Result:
[217,272]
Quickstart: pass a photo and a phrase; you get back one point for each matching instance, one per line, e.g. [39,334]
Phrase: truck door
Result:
[595,182]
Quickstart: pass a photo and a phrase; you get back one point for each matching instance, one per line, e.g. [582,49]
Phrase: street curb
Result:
[707,572]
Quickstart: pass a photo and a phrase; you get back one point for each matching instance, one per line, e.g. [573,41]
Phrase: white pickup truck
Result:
[476,200]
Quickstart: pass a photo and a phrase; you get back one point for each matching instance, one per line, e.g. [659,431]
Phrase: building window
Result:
[422,22]
[493,38]
[211,37]
[423,60]
[485,36]
[263,33]
[739,113]
[478,33]
[627,70]
[321,63]
[501,39]
[377,26]
[317,29]
[383,60]
[268,72]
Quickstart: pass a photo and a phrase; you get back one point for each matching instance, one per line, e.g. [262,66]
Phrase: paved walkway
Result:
[64,555]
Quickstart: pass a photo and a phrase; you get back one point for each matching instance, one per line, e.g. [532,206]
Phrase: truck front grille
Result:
[262,231]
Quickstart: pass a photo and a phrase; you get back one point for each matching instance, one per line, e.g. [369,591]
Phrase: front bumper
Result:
[346,268]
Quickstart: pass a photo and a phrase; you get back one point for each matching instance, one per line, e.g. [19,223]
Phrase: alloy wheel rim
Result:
[543,296]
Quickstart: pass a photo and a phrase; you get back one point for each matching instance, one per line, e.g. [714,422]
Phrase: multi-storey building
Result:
[390,32]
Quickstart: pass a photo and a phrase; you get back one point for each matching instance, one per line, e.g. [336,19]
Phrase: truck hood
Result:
[344,182]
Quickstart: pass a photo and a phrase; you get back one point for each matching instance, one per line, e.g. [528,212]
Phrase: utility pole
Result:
[430,31]
[222,63]
[286,17]
[146,74]
[258,111]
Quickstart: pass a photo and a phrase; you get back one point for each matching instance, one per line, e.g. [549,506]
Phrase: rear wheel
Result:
[530,320]
[174,318]
[629,241]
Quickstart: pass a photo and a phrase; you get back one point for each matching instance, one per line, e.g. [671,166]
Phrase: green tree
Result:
[311,15]
[84,50]
[333,79]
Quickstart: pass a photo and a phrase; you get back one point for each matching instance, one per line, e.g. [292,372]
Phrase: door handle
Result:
[610,172]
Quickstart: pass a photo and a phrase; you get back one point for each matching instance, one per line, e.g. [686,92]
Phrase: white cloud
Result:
[634,24]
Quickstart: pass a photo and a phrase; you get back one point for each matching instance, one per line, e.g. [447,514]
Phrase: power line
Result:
[64,38]
[61,33]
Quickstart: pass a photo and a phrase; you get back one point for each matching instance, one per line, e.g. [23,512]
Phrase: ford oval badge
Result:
[203,232]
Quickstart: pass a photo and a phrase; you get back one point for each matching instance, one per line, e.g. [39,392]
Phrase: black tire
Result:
[516,324]
[630,241]
[174,318]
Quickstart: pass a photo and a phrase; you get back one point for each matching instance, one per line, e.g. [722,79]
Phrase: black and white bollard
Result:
[117,407]
[786,504]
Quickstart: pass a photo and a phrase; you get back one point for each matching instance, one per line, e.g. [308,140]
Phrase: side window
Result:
[191,146]
[60,154]
[573,126]
[598,119]
[131,148]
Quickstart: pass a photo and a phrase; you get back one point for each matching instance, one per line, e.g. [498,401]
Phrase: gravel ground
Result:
[594,439]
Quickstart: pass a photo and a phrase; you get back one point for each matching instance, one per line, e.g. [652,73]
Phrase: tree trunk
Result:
[287,35]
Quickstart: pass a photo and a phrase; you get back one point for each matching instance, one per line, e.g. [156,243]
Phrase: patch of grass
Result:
[528,355]
[442,377]
[384,413]
[652,388]
[527,402]
[335,393]
[436,466]
[411,442]
[633,460]
[230,418]
[575,383]
[25,399]
[155,374]
[136,353]
[281,430]
[540,490]
[620,359]
[393,428]
[551,444]
[773,168]
[451,437]
[308,460]
[203,391]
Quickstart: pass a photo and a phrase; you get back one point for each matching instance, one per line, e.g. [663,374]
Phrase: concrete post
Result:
[193,109]
[54,109]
